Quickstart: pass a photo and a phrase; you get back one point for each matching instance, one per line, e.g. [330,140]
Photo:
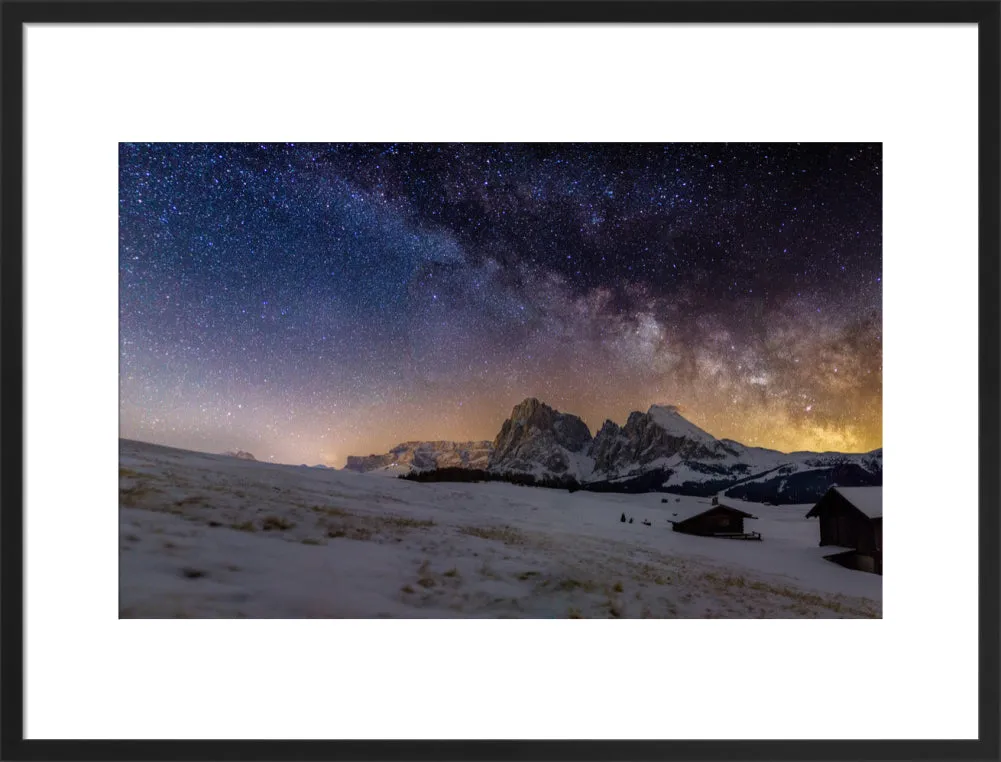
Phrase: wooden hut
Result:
[852,518]
[712,520]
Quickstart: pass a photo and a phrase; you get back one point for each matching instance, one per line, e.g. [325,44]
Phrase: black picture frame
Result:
[986,14]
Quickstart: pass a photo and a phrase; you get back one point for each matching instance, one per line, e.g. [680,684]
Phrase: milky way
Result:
[306,302]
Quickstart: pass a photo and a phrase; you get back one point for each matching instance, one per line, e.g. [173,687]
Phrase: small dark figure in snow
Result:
[623,519]
[663,500]
[630,519]
[677,499]
[646,523]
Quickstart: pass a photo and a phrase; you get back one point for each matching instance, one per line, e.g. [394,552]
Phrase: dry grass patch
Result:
[652,574]
[801,601]
[132,496]
[228,489]
[568,585]
[350,532]
[190,500]
[505,534]
[244,526]
[327,510]
[276,524]
[404,522]
[364,527]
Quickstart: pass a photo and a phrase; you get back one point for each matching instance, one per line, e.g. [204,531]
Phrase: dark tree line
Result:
[453,474]
[798,488]
[650,481]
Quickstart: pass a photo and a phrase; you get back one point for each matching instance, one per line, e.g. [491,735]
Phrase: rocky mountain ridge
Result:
[424,456]
[241,454]
[659,450]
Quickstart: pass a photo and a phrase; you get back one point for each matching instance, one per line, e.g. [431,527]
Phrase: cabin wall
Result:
[725,523]
[866,537]
[713,523]
[828,528]
[842,524]
[850,530]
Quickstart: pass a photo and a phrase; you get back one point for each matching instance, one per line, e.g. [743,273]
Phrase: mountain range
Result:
[423,456]
[241,454]
[656,451]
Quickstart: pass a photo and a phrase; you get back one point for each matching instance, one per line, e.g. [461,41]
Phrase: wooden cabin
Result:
[712,520]
[852,518]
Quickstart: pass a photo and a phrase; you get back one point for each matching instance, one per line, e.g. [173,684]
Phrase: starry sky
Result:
[306,302]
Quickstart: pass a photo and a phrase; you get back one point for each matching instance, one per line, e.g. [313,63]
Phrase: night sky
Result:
[307,302]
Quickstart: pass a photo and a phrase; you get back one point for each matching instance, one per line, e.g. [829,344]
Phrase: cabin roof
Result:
[678,514]
[868,500]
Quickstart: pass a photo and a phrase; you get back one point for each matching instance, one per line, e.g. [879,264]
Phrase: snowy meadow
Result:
[212,536]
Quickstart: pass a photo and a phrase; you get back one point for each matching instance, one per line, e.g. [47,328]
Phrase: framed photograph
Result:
[407,332]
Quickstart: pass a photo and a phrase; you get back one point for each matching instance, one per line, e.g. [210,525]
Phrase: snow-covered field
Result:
[214,536]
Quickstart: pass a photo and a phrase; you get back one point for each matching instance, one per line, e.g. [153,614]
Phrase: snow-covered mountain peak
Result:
[538,439]
[528,409]
[667,409]
[423,456]
[670,419]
